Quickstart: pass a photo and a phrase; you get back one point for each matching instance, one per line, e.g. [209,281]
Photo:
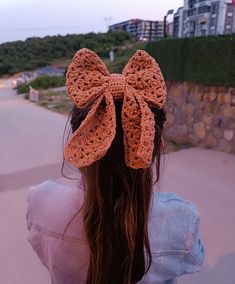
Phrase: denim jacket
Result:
[173,233]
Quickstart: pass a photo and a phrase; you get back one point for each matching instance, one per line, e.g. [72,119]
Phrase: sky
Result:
[20,19]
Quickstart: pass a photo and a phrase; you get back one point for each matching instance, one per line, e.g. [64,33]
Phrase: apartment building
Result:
[204,17]
[144,30]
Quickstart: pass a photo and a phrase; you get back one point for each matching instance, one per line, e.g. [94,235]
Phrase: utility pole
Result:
[150,32]
[107,21]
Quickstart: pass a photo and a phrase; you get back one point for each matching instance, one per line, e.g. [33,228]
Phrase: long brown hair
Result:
[116,208]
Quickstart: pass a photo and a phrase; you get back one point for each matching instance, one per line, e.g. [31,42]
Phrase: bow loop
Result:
[86,78]
[144,75]
[138,126]
[93,138]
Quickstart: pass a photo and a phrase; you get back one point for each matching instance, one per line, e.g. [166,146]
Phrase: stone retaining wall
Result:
[201,116]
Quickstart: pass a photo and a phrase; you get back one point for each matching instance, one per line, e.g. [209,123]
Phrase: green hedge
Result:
[207,60]
[42,83]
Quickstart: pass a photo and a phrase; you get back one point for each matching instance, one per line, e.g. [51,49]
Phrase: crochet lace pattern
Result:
[89,83]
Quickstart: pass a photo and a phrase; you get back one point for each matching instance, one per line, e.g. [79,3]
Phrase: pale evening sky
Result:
[20,19]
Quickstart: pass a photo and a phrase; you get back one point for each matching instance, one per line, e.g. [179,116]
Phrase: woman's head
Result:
[117,129]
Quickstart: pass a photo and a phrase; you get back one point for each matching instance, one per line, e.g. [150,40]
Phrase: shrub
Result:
[42,83]
[23,89]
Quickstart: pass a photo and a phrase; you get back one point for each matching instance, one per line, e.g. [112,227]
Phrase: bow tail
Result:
[93,138]
[138,125]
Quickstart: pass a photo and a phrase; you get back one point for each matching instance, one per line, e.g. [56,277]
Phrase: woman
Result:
[112,226]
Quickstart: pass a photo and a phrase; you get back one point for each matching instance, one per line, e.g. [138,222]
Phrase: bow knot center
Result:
[117,85]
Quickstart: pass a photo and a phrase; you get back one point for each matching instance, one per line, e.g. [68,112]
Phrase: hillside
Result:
[37,52]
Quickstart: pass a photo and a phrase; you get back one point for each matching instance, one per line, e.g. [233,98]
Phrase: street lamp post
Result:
[168,13]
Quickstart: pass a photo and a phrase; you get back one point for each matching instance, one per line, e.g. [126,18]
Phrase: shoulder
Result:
[174,237]
[48,189]
[52,204]
[51,194]
[172,221]
[54,229]
[171,204]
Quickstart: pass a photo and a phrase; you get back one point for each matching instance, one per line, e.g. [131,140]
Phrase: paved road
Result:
[31,152]
[207,178]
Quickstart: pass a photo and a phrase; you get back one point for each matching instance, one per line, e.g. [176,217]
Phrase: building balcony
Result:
[190,29]
[201,27]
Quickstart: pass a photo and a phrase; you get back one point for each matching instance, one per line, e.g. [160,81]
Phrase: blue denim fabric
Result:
[173,233]
[177,248]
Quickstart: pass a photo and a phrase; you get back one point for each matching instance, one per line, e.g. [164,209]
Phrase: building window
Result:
[213,9]
[203,9]
[203,32]
[228,27]
[191,34]
[191,24]
[192,12]
[213,21]
[230,14]
[191,3]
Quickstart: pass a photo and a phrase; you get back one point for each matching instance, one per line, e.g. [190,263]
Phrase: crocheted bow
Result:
[90,83]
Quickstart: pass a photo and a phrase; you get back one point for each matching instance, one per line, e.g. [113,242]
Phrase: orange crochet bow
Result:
[89,82]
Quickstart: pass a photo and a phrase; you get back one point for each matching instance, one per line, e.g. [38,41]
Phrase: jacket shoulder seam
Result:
[55,235]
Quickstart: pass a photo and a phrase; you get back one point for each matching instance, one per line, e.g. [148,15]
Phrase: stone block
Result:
[190,119]
[190,108]
[175,91]
[178,100]
[180,116]
[199,97]
[207,119]
[178,133]
[183,107]
[233,101]
[212,96]
[206,97]
[217,133]
[227,110]
[193,139]
[224,98]
[199,130]
[225,146]
[228,134]
[210,141]
[169,119]
[213,107]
